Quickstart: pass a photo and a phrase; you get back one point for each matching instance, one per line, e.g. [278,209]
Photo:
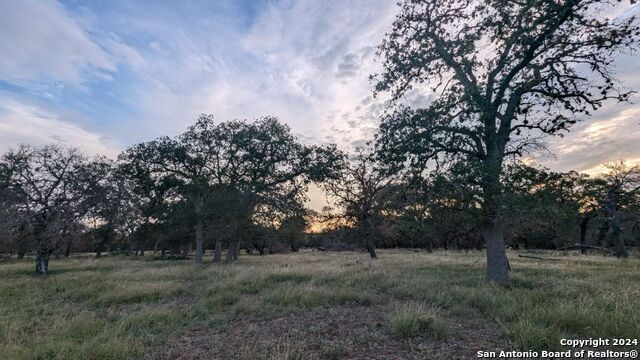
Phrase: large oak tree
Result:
[501,74]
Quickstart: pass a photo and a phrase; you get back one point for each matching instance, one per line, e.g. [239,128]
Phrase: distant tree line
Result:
[238,185]
[443,209]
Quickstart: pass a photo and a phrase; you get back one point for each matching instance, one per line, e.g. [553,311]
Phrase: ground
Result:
[312,305]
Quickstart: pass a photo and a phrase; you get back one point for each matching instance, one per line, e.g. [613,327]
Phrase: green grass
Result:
[415,320]
[125,308]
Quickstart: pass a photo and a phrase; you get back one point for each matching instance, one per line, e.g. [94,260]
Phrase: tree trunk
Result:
[100,248]
[101,244]
[236,251]
[497,262]
[42,262]
[603,229]
[616,236]
[371,248]
[292,244]
[618,240]
[429,245]
[199,227]
[21,246]
[67,250]
[137,246]
[365,229]
[230,250]
[234,244]
[584,224]
[616,231]
[217,252]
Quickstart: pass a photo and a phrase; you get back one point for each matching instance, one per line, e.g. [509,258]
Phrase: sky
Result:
[103,75]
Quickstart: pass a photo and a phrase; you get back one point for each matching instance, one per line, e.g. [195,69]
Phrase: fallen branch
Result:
[586,246]
[536,257]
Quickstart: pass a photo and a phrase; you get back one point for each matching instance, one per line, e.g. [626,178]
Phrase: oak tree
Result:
[501,74]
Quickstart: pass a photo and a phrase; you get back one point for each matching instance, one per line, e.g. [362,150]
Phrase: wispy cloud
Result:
[41,42]
[29,124]
[130,71]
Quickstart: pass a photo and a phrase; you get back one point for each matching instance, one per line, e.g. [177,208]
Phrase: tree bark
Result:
[236,251]
[199,227]
[368,234]
[67,250]
[43,250]
[230,250]
[616,231]
[185,250]
[616,237]
[137,246]
[584,224]
[234,244]
[371,248]
[217,252]
[497,262]
[102,243]
[42,262]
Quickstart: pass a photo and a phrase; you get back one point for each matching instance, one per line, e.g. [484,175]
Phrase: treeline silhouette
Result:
[242,185]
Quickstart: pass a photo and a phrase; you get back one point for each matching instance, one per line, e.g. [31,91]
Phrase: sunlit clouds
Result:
[106,75]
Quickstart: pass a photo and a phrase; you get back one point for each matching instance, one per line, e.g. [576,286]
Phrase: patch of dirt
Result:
[357,332]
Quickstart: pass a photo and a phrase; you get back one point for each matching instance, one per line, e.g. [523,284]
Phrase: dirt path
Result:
[357,332]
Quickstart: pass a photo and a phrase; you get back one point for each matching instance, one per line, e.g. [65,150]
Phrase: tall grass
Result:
[123,308]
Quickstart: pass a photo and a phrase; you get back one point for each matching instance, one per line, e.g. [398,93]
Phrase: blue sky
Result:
[103,75]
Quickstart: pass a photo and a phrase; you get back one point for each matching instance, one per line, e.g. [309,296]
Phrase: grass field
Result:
[311,305]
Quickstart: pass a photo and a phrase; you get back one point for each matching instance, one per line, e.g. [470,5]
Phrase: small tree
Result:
[502,74]
[187,159]
[148,192]
[110,201]
[50,183]
[622,192]
[265,164]
[292,229]
[359,192]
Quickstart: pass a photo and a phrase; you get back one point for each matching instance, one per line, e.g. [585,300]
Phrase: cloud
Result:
[22,123]
[301,61]
[39,41]
[116,73]
[612,133]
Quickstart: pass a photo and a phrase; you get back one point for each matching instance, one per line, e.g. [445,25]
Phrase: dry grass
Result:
[123,308]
